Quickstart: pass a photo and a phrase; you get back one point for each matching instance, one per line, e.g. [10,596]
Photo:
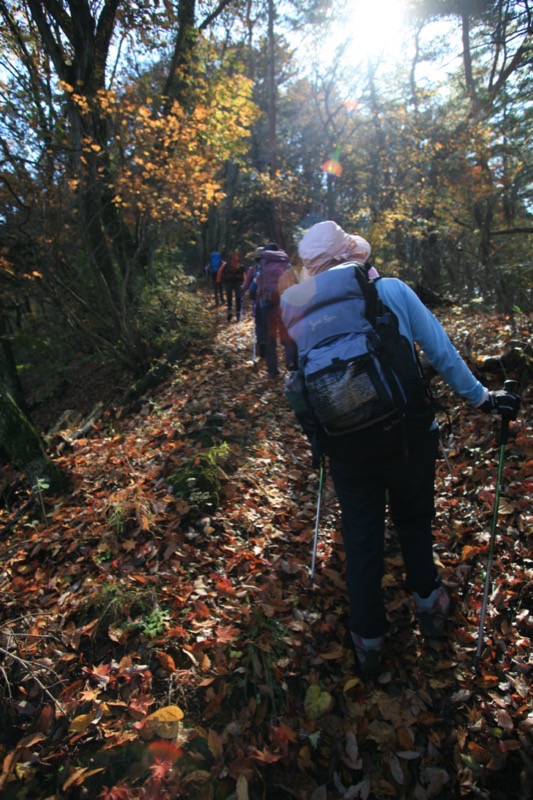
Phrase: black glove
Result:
[308,423]
[501,402]
[316,451]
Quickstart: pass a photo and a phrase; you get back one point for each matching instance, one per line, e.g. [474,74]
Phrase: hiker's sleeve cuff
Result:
[483,399]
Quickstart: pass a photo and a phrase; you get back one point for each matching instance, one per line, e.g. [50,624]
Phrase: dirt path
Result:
[127,600]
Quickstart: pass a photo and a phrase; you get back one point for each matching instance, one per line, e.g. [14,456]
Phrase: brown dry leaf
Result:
[479,753]
[336,653]
[197,776]
[166,661]
[226,633]
[392,708]
[504,720]
[31,740]
[405,737]
[46,718]
[128,545]
[215,744]
[80,775]
[511,744]
[382,787]
[469,551]
[381,732]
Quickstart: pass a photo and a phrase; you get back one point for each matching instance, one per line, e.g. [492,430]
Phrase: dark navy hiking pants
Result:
[270,328]
[217,289]
[233,288]
[364,487]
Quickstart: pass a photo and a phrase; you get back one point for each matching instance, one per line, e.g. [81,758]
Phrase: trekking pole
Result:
[315,545]
[509,386]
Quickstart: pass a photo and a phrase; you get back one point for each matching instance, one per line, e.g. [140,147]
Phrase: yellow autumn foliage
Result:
[168,165]
[166,722]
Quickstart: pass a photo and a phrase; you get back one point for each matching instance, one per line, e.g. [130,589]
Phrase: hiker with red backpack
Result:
[360,398]
[273,275]
[231,276]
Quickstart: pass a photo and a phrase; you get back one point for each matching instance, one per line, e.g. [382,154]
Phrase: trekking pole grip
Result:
[509,386]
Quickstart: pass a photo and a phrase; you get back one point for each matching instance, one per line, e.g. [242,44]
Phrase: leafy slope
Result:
[153,648]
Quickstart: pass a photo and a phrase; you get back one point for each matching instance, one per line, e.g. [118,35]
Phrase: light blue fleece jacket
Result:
[419,325]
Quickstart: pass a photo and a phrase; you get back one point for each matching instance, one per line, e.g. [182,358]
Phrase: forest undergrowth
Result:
[161,636]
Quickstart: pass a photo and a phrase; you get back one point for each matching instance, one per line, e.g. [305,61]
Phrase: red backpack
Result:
[233,270]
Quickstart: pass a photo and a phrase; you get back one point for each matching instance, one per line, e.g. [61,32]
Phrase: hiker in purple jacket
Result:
[247,287]
[387,462]
[273,275]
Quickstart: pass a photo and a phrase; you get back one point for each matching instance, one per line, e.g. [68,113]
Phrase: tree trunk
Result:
[8,368]
[24,446]
[176,85]
[277,225]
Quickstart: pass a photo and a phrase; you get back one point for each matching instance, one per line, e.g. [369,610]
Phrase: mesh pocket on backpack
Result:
[348,397]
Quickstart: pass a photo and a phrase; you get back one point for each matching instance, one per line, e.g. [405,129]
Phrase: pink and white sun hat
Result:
[325,245]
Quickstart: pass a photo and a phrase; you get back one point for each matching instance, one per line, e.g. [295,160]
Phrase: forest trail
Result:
[128,601]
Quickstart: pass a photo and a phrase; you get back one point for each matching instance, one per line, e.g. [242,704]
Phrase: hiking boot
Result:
[432,612]
[369,653]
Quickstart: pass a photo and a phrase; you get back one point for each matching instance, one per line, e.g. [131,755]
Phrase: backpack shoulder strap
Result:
[293,272]
[373,305]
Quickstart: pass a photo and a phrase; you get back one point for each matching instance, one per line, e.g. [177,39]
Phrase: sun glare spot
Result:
[367,29]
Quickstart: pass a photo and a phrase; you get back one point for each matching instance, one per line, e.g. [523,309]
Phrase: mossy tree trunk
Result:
[22,443]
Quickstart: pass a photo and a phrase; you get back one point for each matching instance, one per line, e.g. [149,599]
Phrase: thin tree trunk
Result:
[272,120]
[22,443]
[8,367]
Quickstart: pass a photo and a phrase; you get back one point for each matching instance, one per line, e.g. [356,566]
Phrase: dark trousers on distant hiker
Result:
[218,289]
[233,290]
[258,333]
[363,486]
[270,328]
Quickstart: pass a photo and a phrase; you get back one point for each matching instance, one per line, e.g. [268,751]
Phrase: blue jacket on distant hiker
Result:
[212,267]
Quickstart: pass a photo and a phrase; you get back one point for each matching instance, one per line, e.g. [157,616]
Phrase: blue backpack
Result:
[355,370]
[215,260]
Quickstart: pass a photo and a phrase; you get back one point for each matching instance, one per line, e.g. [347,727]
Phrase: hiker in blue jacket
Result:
[211,268]
[385,462]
